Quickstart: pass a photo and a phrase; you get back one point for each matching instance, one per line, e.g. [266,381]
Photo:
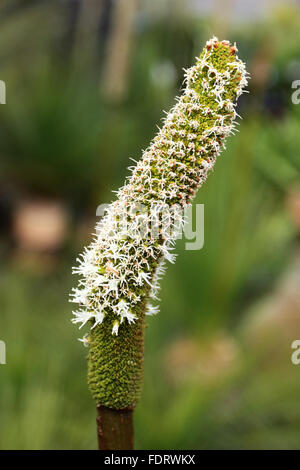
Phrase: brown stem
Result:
[115,428]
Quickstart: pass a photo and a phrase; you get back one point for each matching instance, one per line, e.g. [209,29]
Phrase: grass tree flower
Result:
[121,269]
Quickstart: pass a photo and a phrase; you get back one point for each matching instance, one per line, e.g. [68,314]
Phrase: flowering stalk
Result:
[121,268]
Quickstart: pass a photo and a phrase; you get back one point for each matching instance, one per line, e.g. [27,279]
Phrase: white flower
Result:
[99,317]
[143,277]
[115,328]
[112,285]
[125,259]
[130,317]
[82,316]
[123,310]
[99,281]
[152,309]
[171,257]
[84,340]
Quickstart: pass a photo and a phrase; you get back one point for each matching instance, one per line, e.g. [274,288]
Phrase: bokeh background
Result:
[86,85]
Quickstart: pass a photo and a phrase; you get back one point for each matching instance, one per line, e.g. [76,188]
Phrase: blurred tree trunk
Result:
[93,30]
[11,8]
[115,73]
[72,11]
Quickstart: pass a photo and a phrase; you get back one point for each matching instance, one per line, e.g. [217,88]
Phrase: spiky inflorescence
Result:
[122,266]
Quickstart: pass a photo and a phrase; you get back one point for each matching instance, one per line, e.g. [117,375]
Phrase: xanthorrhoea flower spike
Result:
[121,268]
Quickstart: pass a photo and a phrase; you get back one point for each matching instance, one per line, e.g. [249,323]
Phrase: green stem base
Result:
[115,366]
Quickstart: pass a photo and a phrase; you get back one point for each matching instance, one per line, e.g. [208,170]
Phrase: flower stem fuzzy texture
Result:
[121,269]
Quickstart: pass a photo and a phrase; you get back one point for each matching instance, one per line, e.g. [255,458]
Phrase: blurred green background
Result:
[86,85]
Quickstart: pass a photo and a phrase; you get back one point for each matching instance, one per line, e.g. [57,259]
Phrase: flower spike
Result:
[122,267]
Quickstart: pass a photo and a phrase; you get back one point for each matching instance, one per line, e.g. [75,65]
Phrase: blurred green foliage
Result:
[61,137]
